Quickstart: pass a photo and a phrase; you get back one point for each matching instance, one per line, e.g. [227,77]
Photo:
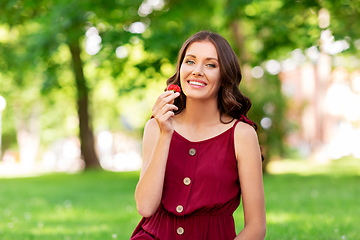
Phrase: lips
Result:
[197,83]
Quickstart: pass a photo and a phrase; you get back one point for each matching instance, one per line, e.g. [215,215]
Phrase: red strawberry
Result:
[174,88]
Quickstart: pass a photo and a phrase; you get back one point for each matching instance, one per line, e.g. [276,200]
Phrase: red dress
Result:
[201,192]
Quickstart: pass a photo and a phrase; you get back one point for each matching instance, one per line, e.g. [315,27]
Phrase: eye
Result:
[190,62]
[211,65]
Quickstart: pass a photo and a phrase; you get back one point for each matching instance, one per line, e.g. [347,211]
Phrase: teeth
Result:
[196,83]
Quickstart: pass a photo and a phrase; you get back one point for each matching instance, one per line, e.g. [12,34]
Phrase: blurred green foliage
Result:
[38,81]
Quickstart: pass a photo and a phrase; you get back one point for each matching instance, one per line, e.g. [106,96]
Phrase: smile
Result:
[197,83]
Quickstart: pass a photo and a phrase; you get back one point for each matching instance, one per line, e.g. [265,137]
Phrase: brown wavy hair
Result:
[230,100]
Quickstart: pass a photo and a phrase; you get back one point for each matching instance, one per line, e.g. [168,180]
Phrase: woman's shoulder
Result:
[151,127]
[151,122]
[245,132]
[246,142]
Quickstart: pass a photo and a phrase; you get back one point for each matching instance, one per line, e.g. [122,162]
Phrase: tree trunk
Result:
[244,57]
[239,41]
[86,133]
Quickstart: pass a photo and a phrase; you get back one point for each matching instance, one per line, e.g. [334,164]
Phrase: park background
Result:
[78,80]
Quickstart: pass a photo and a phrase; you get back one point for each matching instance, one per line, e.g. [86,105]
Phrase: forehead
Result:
[202,49]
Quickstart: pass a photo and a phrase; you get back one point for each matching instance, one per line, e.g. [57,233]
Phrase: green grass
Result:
[303,201]
[313,201]
[92,205]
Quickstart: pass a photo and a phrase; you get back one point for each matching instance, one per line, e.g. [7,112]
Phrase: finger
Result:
[165,121]
[175,96]
[164,118]
[162,96]
[169,107]
[161,99]
[158,112]
[172,97]
[165,98]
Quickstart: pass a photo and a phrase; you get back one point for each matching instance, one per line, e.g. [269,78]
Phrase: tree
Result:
[256,32]
[259,31]
[53,24]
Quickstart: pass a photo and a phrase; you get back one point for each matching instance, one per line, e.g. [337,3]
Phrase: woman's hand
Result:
[163,111]
[248,155]
[156,144]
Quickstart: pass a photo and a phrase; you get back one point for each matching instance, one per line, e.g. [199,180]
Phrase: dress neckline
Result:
[208,139]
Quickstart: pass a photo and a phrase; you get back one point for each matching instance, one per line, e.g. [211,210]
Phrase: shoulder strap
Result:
[244,119]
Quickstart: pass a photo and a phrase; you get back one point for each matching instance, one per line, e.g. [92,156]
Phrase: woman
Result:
[200,152]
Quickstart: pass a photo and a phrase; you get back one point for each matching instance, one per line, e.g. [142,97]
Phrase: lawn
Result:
[303,201]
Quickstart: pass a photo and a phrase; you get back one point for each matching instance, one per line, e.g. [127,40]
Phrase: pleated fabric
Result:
[201,192]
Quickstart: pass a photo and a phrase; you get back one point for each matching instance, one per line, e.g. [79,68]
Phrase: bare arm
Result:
[156,142]
[251,182]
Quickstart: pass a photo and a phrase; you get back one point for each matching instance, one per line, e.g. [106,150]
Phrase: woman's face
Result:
[200,71]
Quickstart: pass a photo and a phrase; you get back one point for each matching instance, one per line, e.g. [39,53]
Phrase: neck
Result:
[200,113]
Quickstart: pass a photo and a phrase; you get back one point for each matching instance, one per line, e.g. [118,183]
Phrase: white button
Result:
[180,231]
[192,151]
[187,181]
[179,208]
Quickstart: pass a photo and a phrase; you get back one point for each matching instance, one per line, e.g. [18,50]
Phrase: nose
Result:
[198,69]
[197,72]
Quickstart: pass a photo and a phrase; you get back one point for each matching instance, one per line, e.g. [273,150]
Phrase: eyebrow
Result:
[208,58]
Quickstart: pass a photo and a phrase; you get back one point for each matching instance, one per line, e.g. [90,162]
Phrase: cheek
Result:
[217,77]
[184,71]
[184,68]
[181,75]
